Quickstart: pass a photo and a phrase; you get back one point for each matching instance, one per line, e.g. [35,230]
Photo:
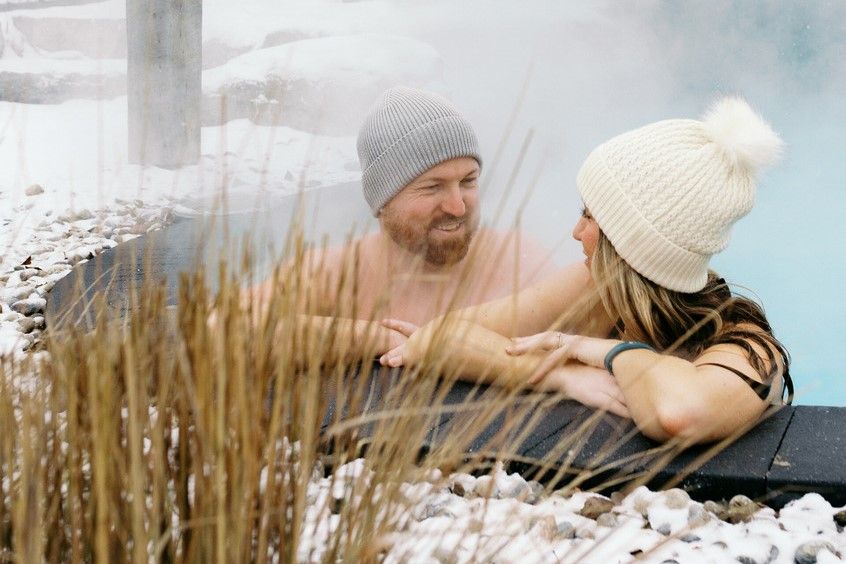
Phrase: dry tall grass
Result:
[163,436]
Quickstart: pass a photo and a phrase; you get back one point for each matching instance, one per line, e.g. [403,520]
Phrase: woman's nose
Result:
[577,229]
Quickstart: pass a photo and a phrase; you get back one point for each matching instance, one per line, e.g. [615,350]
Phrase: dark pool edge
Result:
[774,463]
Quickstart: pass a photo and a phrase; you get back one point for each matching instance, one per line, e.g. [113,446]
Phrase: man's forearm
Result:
[332,340]
[470,351]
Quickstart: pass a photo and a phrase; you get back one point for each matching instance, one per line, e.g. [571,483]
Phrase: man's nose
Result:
[453,202]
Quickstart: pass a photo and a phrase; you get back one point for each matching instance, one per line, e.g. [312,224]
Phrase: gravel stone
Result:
[607,520]
[697,516]
[34,190]
[516,488]
[740,509]
[676,498]
[457,489]
[56,268]
[438,510]
[445,555]
[641,505]
[565,530]
[28,273]
[545,528]
[80,253]
[714,507]
[536,490]
[30,306]
[26,325]
[12,295]
[596,506]
[486,487]
[585,531]
[807,552]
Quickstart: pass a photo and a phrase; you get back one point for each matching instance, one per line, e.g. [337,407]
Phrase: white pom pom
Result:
[745,138]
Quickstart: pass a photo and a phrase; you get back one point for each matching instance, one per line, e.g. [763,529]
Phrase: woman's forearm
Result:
[469,351]
[670,397]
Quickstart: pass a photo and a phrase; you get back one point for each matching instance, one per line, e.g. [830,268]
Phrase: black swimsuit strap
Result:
[788,384]
[761,389]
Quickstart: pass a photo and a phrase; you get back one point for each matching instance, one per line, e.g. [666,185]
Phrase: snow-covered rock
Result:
[96,30]
[233,28]
[319,85]
[52,80]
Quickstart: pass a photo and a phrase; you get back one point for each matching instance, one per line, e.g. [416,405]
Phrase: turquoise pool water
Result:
[792,251]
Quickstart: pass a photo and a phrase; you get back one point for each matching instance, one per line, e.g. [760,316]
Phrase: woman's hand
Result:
[546,341]
[589,351]
[589,386]
[560,346]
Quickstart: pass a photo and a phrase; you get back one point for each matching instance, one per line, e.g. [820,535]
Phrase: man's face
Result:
[436,214]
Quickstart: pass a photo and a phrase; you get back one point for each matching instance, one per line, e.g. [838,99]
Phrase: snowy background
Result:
[558,78]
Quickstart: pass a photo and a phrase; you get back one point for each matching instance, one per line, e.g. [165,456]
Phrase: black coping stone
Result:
[812,456]
[615,446]
[798,449]
[602,451]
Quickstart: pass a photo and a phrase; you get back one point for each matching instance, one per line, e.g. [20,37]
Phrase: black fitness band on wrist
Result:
[622,347]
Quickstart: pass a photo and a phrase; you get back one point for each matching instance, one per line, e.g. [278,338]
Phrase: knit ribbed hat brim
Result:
[632,236]
[413,154]
[407,132]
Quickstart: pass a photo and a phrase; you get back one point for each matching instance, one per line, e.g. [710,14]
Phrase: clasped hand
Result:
[397,355]
[577,364]
[571,364]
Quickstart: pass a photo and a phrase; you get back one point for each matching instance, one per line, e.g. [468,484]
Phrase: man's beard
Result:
[420,241]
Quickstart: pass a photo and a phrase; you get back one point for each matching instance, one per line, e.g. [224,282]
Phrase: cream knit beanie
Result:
[667,194]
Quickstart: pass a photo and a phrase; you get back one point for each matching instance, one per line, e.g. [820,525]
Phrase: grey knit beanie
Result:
[405,134]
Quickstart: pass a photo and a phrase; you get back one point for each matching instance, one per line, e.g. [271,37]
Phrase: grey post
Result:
[164,70]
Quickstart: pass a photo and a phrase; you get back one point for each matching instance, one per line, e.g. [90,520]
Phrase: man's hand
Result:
[387,339]
[396,356]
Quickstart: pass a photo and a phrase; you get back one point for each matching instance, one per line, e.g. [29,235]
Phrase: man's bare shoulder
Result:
[333,260]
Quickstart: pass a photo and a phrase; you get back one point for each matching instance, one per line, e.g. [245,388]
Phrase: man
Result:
[420,175]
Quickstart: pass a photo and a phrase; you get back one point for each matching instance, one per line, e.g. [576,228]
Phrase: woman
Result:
[661,337]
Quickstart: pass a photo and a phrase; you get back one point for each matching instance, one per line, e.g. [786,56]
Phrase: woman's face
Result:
[586,232]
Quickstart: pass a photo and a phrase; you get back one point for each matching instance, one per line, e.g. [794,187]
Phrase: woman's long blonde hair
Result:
[682,324]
